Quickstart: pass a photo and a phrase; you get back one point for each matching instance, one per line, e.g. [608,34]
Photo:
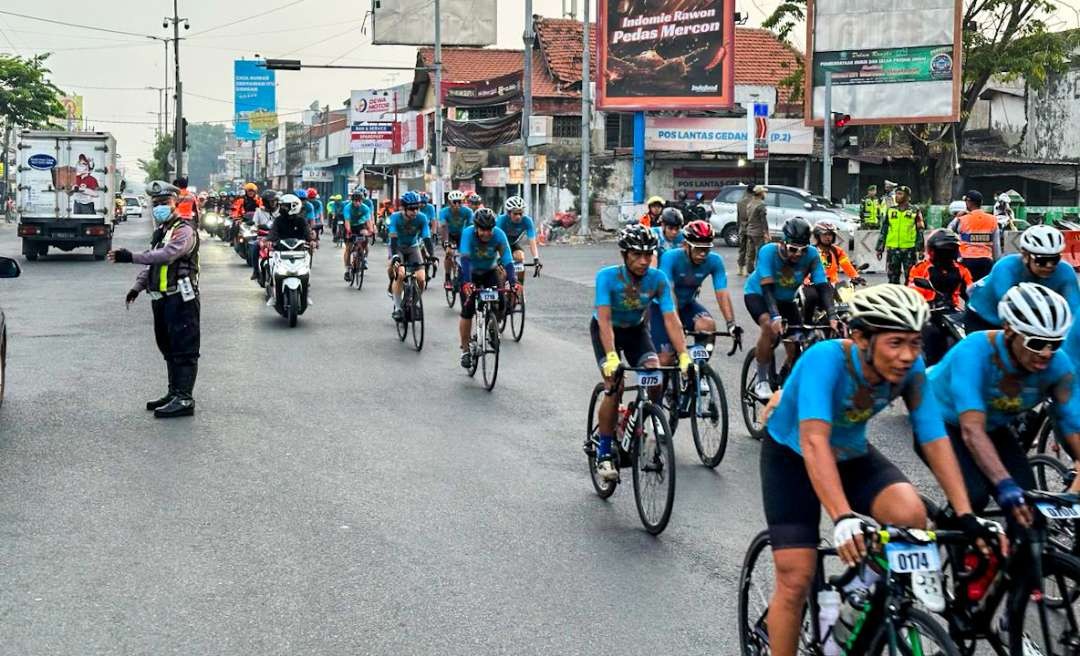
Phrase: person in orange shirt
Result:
[834,260]
[949,280]
[652,217]
[980,242]
[186,204]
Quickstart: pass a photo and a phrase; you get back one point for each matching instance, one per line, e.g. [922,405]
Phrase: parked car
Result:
[9,268]
[783,203]
[133,206]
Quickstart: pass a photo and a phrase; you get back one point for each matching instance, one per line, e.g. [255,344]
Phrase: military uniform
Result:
[902,236]
[742,217]
[757,231]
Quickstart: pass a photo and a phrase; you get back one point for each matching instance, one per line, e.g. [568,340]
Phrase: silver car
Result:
[782,203]
[9,268]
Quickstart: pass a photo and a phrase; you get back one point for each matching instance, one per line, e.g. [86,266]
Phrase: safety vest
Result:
[185,204]
[902,227]
[977,235]
[871,207]
[163,277]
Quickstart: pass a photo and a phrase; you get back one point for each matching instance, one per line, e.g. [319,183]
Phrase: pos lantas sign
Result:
[666,54]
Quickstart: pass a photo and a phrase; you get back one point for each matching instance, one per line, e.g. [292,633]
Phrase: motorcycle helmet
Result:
[655,200]
[943,244]
[290,204]
[251,186]
[825,227]
[475,199]
[269,196]
[312,193]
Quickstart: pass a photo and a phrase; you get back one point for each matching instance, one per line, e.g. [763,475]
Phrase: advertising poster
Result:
[666,54]
[255,99]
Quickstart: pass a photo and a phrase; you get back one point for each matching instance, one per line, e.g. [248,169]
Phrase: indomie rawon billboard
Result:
[666,54]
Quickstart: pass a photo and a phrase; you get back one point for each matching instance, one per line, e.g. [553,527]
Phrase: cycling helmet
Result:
[409,198]
[291,204]
[698,233]
[671,216]
[475,199]
[312,193]
[424,197]
[356,195]
[797,231]
[825,226]
[251,186]
[889,308]
[957,207]
[1035,311]
[269,195]
[455,196]
[943,240]
[636,237]
[515,203]
[484,218]
[655,200]
[1042,240]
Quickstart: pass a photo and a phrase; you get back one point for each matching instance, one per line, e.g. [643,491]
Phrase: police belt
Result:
[156,296]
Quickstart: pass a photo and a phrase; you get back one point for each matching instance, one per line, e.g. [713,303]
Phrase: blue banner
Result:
[255,99]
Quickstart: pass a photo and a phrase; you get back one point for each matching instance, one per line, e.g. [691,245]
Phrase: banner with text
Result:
[255,99]
[787,136]
[481,93]
[371,118]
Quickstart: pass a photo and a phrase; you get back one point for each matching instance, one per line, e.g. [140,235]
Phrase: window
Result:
[618,131]
[792,202]
[478,113]
[566,127]
[730,194]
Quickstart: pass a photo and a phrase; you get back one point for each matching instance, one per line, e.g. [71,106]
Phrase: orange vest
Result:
[922,270]
[646,220]
[833,266]
[976,235]
[185,204]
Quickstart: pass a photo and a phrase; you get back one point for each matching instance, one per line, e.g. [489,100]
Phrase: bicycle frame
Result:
[635,416]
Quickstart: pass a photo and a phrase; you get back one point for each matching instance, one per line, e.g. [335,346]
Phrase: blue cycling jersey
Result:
[455,222]
[1072,341]
[786,277]
[827,384]
[628,298]
[316,210]
[481,256]
[664,244]
[409,232]
[979,374]
[428,210]
[1010,270]
[515,229]
[357,215]
[686,277]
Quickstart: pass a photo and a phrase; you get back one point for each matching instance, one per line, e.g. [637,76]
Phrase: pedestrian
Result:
[980,242]
[742,217]
[171,279]
[902,234]
[757,227]
[871,209]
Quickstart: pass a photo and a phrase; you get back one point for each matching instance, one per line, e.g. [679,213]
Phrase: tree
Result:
[1005,38]
[205,142]
[157,167]
[27,99]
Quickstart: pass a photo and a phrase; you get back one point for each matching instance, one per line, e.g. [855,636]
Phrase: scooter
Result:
[946,318]
[290,266]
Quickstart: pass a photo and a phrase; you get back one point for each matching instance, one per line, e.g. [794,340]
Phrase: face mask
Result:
[161,213]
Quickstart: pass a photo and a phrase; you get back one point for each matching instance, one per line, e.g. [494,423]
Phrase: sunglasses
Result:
[1040,344]
[411,208]
[799,250]
[456,202]
[1045,260]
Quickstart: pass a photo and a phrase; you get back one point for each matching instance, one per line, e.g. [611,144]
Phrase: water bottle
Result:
[856,595]
[828,613]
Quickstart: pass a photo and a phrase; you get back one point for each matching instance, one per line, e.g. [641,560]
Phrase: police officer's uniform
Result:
[902,234]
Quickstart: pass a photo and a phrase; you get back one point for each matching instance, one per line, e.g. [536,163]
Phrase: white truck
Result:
[66,182]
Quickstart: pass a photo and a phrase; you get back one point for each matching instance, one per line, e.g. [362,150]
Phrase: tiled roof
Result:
[474,64]
[560,44]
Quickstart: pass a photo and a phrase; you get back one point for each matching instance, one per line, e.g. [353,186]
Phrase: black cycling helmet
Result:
[484,218]
[671,216]
[943,241]
[797,232]
[636,237]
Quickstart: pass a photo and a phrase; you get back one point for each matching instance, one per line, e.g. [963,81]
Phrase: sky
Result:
[111,71]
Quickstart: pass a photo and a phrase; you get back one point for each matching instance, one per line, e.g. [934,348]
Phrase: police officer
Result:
[171,278]
[871,210]
[901,233]
[979,236]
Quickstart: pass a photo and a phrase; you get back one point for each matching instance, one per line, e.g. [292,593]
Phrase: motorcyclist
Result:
[652,216]
[290,222]
[949,280]
[247,203]
[834,260]
[264,221]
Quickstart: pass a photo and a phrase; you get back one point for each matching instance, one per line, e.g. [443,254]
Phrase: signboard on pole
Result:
[897,64]
[371,116]
[410,22]
[537,170]
[666,54]
[317,175]
[255,99]
[373,135]
[757,131]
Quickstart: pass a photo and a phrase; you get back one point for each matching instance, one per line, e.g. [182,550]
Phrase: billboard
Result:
[899,63]
[371,118]
[786,136]
[666,54]
[412,22]
[255,99]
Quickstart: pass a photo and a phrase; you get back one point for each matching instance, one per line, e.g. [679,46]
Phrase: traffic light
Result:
[183,134]
[841,131]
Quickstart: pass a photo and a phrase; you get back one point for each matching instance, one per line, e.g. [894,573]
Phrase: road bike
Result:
[484,341]
[358,261]
[515,303]
[412,310]
[643,442]
[872,605]
[454,276]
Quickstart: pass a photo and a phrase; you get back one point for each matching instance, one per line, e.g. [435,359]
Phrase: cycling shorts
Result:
[792,508]
[410,256]
[634,343]
[688,314]
[480,279]
[756,306]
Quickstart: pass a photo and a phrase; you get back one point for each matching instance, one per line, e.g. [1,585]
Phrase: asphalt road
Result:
[337,492]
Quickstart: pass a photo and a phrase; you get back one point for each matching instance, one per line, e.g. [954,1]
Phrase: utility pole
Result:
[326,132]
[586,119]
[826,146]
[178,136]
[438,107]
[526,110]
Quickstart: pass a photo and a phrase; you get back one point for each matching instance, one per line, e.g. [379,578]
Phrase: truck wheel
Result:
[101,248]
[30,251]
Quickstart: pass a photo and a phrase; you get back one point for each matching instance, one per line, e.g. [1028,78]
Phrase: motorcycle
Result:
[290,266]
[265,249]
[843,292]
[247,235]
[946,320]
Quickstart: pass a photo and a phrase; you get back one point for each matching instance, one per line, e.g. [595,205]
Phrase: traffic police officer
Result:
[872,208]
[171,278]
[901,232]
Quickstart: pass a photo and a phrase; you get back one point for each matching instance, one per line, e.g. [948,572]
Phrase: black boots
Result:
[181,405]
[157,403]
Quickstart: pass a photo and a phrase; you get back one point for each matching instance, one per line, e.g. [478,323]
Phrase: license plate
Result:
[1054,511]
[489,295]
[64,235]
[906,558]
[699,352]
[646,379]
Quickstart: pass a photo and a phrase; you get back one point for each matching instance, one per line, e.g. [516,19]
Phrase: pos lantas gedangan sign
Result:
[666,54]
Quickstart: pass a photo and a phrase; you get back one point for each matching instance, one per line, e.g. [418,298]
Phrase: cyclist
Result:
[834,260]
[815,453]
[669,234]
[769,292]
[989,379]
[651,217]
[624,294]
[686,268]
[484,249]
[334,211]
[475,202]
[948,278]
[518,228]
[408,228]
[316,216]
[452,220]
[358,229]
[264,221]
[1039,261]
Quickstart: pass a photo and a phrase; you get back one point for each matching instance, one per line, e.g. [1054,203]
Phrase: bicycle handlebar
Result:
[736,334]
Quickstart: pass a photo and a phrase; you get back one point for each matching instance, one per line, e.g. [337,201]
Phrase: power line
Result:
[77,25]
[323,41]
[247,18]
[294,29]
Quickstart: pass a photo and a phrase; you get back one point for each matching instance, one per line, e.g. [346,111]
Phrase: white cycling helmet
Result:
[1042,240]
[890,308]
[290,203]
[515,203]
[1035,311]
[957,207]
[1004,198]
[455,195]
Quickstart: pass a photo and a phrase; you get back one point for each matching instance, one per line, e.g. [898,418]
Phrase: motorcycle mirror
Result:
[923,283]
[863,267]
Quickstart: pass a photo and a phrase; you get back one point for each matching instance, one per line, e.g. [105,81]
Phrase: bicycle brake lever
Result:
[736,342]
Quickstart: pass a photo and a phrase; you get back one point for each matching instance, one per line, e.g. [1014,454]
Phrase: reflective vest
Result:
[902,229]
[976,235]
[163,277]
[871,208]
[185,204]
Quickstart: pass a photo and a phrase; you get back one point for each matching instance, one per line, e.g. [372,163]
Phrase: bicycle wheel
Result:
[604,489]
[918,633]
[416,317]
[1053,476]
[358,273]
[451,294]
[654,469]
[490,357]
[752,407]
[403,324]
[1048,443]
[709,417]
[517,317]
[757,579]
[1060,595]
